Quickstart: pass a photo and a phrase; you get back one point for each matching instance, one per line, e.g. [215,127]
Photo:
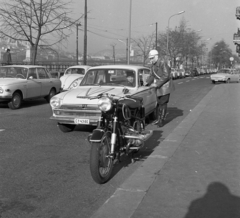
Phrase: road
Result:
[44,173]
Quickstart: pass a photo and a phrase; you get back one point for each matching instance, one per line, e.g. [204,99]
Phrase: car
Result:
[225,75]
[174,73]
[22,82]
[56,74]
[75,107]
[73,76]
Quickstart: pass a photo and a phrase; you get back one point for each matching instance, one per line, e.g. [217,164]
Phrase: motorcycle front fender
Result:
[97,135]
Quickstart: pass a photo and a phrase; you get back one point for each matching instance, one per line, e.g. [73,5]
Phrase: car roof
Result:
[79,66]
[133,67]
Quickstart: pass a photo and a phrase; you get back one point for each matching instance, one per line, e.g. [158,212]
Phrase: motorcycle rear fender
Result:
[97,135]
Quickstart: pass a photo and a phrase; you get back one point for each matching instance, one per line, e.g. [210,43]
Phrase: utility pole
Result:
[113,46]
[85,35]
[77,25]
[156,35]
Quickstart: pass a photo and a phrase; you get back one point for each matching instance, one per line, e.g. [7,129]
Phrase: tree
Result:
[40,23]
[220,54]
[144,45]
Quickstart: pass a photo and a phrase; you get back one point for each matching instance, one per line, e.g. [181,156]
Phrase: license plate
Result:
[81,121]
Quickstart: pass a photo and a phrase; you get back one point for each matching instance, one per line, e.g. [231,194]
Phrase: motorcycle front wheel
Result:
[101,164]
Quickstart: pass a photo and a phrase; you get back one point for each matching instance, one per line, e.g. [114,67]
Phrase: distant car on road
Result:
[21,82]
[73,76]
[226,76]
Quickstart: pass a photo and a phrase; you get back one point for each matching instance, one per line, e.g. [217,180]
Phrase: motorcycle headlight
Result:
[105,104]
[75,83]
[55,102]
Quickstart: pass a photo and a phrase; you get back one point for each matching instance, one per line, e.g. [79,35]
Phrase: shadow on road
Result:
[172,113]
[218,202]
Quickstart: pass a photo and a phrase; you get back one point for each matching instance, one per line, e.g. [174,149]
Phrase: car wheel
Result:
[66,127]
[213,82]
[228,81]
[50,95]
[16,101]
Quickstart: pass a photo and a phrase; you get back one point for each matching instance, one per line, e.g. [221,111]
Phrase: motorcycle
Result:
[120,130]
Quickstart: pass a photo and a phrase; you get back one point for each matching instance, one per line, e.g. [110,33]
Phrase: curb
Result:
[126,199]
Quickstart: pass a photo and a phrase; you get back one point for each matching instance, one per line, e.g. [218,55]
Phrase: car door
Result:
[148,94]
[34,87]
[45,80]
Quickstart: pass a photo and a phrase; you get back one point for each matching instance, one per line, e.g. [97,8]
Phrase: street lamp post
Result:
[180,12]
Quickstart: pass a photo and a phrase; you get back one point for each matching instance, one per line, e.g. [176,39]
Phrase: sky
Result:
[109,21]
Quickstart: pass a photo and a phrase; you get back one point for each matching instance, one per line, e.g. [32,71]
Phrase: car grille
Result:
[77,111]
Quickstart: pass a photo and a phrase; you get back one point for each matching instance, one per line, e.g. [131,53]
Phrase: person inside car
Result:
[130,79]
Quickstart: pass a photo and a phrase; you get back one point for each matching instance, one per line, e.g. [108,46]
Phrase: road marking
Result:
[180,83]
[1,130]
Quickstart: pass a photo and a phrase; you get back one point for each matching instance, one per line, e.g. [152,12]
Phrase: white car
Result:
[73,76]
[226,76]
[75,107]
[22,82]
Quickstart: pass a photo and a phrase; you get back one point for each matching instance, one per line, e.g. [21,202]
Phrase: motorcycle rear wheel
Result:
[101,165]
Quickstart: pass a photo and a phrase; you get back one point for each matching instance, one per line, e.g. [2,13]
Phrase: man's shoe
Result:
[160,123]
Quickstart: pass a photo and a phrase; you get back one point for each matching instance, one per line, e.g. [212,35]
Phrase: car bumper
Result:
[72,120]
[5,98]
[218,79]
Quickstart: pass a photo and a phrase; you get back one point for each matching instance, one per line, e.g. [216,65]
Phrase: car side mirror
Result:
[125,91]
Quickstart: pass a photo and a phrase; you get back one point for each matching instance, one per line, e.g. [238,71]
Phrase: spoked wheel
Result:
[101,165]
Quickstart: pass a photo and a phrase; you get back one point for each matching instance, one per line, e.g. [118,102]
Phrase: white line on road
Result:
[1,130]
[180,83]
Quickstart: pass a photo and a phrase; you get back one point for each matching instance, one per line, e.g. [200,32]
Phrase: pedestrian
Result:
[160,78]
[7,59]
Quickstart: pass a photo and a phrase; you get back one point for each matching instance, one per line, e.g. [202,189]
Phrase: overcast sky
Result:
[108,20]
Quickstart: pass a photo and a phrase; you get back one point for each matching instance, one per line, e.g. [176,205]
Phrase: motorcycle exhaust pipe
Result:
[141,137]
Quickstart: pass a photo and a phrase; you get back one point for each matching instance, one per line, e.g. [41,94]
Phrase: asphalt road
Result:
[44,173]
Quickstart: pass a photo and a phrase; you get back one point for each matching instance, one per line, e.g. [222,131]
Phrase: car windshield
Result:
[75,71]
[109,77]
[224,71]
[13,72]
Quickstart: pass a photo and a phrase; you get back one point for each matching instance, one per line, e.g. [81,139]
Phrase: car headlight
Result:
[105,104]
[1,90]
[55,102]
[75,83]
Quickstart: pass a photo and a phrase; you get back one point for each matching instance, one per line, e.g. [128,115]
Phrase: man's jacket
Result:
[161,74]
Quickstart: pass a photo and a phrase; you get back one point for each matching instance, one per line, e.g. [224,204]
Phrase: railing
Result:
[63,65]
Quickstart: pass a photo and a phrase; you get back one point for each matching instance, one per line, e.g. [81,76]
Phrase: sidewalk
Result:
[194,172]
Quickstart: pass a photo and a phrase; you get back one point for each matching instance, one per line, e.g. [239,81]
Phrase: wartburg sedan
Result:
[226,76]
[76,108]
[21,82]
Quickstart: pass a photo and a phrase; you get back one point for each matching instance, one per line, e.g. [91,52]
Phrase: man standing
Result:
[7,59]
[160,77]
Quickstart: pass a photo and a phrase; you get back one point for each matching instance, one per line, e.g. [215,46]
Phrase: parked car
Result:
[226,76]
[56,74]
[174,73]
[73,76]
[21,82]
[75,107]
